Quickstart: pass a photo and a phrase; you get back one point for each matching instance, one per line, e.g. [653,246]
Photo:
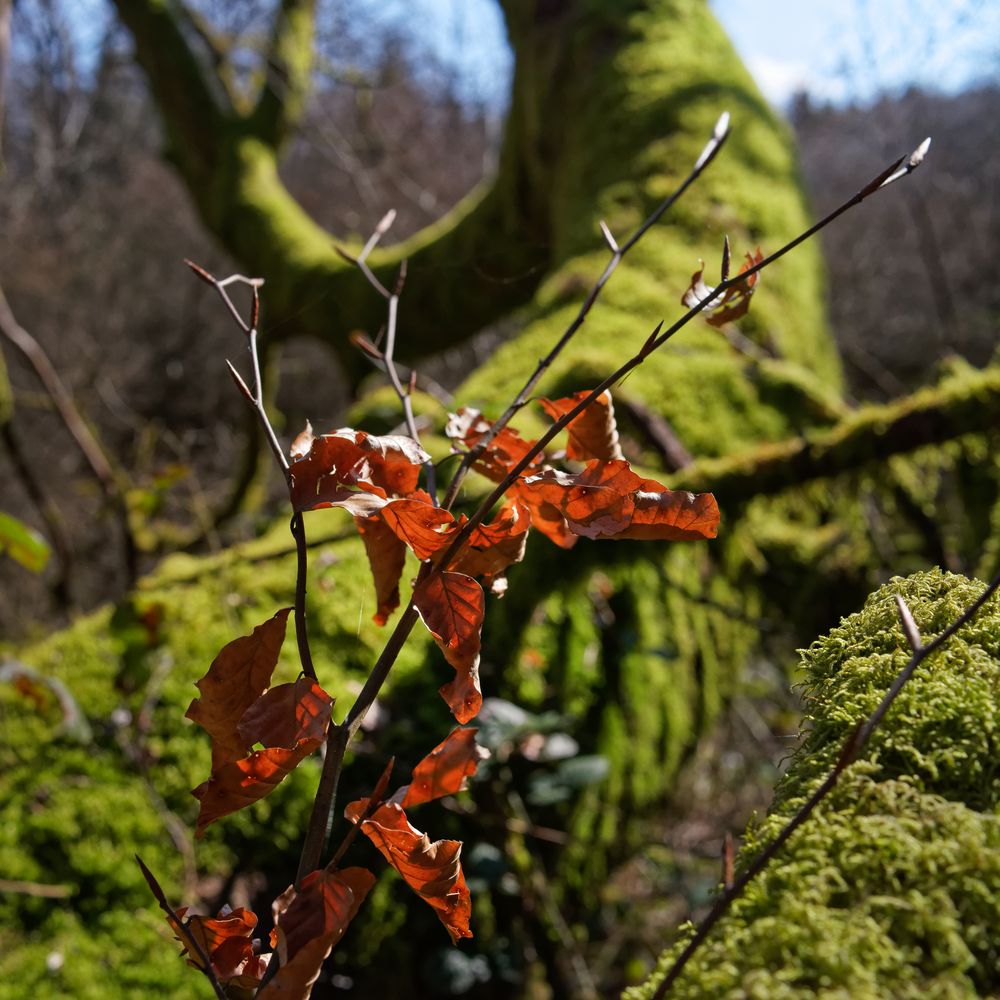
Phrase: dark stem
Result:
[298,529]
[321,819]
[852,747]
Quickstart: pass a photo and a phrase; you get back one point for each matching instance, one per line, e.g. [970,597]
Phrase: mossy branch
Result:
[956,407]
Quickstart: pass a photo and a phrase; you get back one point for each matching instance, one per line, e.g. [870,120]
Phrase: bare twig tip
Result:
[344,255]
[910,629]
[721,127]
[726,258]
[917,156]
[240,384]
[385,222]
[608,238]
[200,272]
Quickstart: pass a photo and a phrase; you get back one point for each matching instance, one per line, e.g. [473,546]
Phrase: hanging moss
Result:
[892,887]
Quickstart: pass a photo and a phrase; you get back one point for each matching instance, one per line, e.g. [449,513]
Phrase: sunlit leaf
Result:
[592,434]
[235,680]
[451,605]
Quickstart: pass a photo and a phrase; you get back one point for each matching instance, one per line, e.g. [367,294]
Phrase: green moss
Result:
[73,815]
[892,887]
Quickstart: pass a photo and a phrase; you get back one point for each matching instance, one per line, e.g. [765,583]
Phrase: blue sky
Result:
[837,51]
[848,49]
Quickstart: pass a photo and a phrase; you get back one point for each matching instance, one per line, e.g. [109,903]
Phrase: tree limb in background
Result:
[90,448]
[871,434]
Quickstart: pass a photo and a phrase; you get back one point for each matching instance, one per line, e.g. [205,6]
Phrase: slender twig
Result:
[320,821]
[375,800]
[255,397]
[852,747]
[182,927]
[387,356]
[719,135]
[78,428]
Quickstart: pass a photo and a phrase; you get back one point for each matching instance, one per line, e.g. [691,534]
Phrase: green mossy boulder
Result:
[892,887]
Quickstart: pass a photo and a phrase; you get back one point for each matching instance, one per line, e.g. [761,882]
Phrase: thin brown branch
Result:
[255,397]
[78,429]
[43,890]
[387,356]
[852,747]
[708,154]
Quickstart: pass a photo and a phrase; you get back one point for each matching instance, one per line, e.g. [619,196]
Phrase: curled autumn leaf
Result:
[423,527]
[608,500]
[468,427]
[444,771]
[290,721]
[493,547]
[308,923]
[432,870]
[222,947]
[302,443]
[451,605]
[235,680]
[728,305]
[355,471]
[593,433]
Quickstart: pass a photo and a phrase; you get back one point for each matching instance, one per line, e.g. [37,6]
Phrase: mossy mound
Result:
[73,813]
[892,887]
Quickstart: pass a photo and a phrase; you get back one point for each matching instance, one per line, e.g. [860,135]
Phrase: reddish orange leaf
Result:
[422,526]
[592,434]
[545,516]
[432,870]
[224,943]
[386,556]
[500,455]
[309,923]
[493,547]
[451,605]
[356,471]
[444,770]
[293,714]
[323,907]
[235,680]
[733,302]
[608,500]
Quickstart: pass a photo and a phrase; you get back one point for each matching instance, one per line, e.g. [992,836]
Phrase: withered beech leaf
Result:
[386,557]
[451,606]
[297,714]
[423,527]
[228,941]
[507,449]
[592,434]
[322,908]
[444,770]
[728,305]
[235,680]
[545,517]
[286,714]
[608,500]
[356,471]
[492,547]
[432,870]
